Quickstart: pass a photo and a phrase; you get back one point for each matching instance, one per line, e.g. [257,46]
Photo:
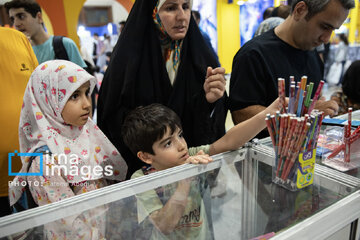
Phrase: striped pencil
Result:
[297,90]
[281,90]
[270,129]
[347,137]
[307,98]
[301,96]
[291,98]
[316,96]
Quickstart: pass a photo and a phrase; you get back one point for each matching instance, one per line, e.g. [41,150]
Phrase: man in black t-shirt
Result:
[287,50]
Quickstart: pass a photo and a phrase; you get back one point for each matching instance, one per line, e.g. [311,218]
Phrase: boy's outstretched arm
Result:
[244,131]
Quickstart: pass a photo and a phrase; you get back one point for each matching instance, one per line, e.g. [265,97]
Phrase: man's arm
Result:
[241,115]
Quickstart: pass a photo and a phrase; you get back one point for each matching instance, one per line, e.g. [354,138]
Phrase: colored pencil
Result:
[316,96]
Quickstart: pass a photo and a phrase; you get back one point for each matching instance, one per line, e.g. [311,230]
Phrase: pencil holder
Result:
[298,174]
[294,132]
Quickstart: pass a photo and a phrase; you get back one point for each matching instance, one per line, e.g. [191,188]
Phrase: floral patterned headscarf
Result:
[41,123]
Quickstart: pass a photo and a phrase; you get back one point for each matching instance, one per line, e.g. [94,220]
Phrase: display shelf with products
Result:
[239,199]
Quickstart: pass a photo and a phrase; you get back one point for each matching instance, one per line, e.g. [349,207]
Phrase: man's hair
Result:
[351,83]
[267,12]
[196,15]
[29,6]
[282,11]
[145,125]
[344,38]
[316,6]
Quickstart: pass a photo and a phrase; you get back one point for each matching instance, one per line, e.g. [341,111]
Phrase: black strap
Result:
[59,49]
[30,201]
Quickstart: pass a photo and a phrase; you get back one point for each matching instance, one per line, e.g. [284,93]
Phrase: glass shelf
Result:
[235,193]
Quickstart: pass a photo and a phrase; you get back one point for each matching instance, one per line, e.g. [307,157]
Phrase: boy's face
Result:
[78,108]
[24,22]
[170,151]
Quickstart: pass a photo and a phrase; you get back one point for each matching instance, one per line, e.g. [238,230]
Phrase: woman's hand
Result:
[214,85]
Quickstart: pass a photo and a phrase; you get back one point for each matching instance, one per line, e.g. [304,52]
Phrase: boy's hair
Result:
[29,6]
[145,125]
[316,6]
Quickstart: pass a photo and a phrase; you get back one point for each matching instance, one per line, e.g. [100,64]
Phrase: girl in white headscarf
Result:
[55,117]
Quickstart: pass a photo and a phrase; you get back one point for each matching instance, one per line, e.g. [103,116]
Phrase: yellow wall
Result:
[354,23]
[228,32]
[276,3]
[72,10]
[47,22]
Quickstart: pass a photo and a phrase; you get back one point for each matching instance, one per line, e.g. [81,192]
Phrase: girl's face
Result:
[78,108]
[175,17]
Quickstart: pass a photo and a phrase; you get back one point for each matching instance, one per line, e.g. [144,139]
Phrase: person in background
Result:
[17,61]
[154,133]
[26,15]
[161,57]
[287,50]
[196,15]
[341,53]
[104,50]
[98,45]
[121,26]
[349,97]
[278,15]
[267,13]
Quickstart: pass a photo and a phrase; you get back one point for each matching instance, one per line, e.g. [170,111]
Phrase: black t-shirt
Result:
[261,61]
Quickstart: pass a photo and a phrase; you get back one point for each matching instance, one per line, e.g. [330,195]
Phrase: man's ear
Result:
[300,10]
[39,17]
[145,157]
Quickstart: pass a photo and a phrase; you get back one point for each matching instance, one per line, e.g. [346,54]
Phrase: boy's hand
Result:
[200,157]
[275,106]
[214,85]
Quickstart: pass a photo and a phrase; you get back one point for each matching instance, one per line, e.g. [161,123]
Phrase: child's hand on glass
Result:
[199,158]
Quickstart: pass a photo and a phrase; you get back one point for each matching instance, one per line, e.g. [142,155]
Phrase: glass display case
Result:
[234,196]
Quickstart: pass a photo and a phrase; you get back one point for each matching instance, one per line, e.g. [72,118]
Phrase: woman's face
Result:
[175,17]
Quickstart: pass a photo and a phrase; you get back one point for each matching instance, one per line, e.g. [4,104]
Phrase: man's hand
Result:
[214,85]
[328,107]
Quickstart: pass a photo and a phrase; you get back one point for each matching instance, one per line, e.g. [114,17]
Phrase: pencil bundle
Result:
[294,129]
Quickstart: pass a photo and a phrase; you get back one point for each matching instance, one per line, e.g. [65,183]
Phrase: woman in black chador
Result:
[161,57]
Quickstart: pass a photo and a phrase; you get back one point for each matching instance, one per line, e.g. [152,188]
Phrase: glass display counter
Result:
[350,178]
[237,194]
